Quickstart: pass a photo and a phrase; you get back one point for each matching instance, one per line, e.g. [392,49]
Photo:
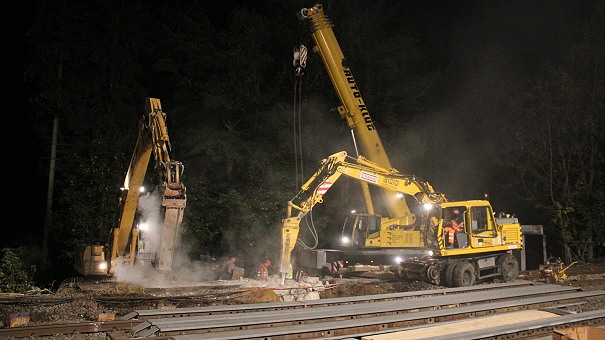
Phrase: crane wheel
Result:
[433,274]
[464,275]
[448,273]
[400,272]
[509,267]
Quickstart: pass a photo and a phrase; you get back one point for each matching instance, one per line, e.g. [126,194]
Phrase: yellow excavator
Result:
[417,241]
[126,246]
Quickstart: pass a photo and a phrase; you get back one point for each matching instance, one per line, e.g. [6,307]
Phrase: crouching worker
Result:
[231,271]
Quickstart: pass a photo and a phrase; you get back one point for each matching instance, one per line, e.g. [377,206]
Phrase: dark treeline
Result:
[505,99]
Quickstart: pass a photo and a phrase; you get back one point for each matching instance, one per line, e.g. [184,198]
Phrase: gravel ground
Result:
[72,303]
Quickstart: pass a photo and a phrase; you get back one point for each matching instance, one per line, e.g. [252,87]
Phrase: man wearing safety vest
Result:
[456,225]
[263,270]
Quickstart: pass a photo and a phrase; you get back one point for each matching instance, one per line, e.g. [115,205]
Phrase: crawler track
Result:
[354,317]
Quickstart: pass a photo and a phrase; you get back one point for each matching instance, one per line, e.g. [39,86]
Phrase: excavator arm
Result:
[124,236]
[121,244]
[173,191]
[153,139]
[362,170]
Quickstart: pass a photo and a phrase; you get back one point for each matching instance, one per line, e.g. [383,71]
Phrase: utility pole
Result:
[51,182]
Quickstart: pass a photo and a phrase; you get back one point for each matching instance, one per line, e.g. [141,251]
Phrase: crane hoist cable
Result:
[296,128]
[299,62]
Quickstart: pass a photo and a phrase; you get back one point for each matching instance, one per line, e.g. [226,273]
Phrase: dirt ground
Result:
[85,301]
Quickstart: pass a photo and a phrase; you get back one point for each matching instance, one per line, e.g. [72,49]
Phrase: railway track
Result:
[534,310]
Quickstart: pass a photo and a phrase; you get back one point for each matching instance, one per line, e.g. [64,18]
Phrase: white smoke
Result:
[150,210]
[184,271]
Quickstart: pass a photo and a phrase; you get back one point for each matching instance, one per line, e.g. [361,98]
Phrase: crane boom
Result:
[353,108]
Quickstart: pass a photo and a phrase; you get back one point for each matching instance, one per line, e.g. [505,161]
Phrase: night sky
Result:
[26,185]
[501,39]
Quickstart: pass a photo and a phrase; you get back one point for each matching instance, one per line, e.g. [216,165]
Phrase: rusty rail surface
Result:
[338,317]
[70,328]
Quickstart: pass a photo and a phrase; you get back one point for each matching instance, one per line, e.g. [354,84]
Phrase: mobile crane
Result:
[125,244]
[420,249]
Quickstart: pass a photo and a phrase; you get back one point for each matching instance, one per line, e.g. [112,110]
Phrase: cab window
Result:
[481,223]
[373,224]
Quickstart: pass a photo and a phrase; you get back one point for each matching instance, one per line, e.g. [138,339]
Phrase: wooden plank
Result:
[464,326]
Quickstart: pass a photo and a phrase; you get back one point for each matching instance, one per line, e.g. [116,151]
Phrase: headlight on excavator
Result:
[103,265]
[344,240]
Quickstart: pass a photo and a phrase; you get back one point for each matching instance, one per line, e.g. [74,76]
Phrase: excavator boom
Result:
[360,169]
[171,188]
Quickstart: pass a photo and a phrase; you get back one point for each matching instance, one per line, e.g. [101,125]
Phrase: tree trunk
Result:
[51,183]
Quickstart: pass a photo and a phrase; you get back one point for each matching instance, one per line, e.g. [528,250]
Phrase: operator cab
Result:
[472,227]
[361,228]
[454,219]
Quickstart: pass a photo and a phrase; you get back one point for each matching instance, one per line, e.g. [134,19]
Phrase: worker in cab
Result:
[263,270]
[455,225]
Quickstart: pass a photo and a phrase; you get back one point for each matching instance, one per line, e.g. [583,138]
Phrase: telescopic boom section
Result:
[361,169]
[353,109]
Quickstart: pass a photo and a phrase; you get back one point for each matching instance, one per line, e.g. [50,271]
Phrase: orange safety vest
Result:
[262,273]
[451,232]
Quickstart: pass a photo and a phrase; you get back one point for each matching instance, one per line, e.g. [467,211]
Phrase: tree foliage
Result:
[14,277]
[560,129]
[226,83]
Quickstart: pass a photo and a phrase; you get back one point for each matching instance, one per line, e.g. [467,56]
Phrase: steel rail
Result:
[391,323]
[70,328]
[133,319]
[259,319]
[232,309]
[222,320]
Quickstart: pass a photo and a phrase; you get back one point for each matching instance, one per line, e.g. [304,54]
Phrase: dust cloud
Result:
[184,271]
